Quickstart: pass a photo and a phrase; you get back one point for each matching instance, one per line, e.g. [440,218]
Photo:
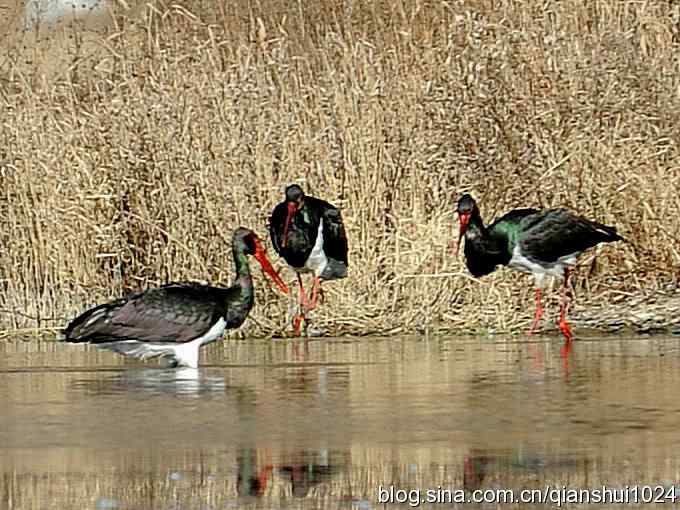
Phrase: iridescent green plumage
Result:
[488,247]
[543,243]
[174,320]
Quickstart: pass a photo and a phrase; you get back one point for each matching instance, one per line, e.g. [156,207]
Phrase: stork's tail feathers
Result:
[609,234]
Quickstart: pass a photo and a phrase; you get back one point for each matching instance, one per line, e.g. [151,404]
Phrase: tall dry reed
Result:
[131,150]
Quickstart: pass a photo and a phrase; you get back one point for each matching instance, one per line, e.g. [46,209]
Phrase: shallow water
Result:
[323,424]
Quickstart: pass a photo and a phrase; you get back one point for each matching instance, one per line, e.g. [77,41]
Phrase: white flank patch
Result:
[213,333]
[317,261]
[184,354]
[540,271]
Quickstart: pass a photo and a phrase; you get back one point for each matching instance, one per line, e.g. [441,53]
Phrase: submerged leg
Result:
[538,361]
[539,312]
[297,322]
[564,307]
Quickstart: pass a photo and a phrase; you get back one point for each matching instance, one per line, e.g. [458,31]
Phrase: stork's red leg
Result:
[564,325]
[297,322]
[564,307]
[539,312]
[304,301]
[304,304]
[316,290]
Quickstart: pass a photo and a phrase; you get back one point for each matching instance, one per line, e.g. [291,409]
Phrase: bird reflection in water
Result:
[475,468]
[252,480]
[301,470]
[184,381]
[480,464]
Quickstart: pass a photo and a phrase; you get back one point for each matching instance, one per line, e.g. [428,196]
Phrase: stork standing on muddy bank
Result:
[309,234]
[543,243]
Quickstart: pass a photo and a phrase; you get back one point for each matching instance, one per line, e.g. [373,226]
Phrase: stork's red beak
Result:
[261,257]
[292,208]
[464,220]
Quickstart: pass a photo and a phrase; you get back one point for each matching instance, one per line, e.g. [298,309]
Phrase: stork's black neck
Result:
[241,300]
[241,264]
[476,227]
[483,251]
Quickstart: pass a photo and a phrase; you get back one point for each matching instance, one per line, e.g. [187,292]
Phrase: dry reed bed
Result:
[129,154]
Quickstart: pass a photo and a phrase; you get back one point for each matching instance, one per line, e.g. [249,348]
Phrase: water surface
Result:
[323,424]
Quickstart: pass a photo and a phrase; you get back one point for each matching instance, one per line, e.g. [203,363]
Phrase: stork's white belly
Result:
[317,260]
[184,354]
[540,271]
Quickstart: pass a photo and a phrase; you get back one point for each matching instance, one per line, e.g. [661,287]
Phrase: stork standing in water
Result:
[309,234]
[543,243]
[175,320]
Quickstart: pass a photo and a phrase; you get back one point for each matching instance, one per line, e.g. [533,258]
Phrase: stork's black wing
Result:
[335,237]
[277,222]
[177,312]
[556,233]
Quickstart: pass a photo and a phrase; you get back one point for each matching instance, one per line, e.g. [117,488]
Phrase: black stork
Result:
[309,234]
[540,242]
[173,321]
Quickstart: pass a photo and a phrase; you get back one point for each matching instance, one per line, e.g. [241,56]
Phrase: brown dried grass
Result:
[129,152]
